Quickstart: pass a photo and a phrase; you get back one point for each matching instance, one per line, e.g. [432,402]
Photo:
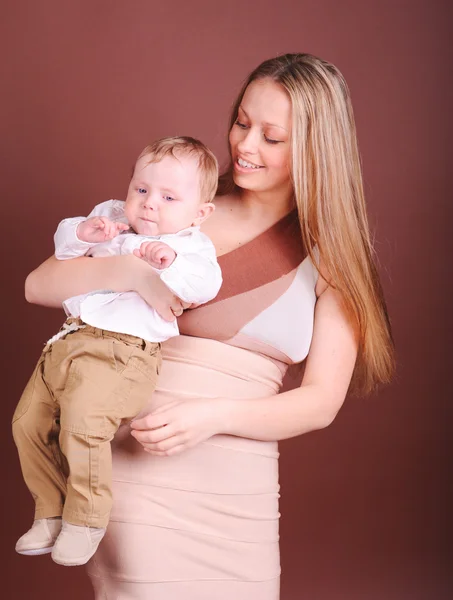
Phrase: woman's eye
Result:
[239,124]
[270,141]
[141,191]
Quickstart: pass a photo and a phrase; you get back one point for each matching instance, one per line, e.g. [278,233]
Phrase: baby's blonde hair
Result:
[188,146]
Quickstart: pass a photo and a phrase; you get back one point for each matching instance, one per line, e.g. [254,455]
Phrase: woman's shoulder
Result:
[224,225]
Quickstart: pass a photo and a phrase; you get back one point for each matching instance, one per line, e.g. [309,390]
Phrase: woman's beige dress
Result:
[203,525]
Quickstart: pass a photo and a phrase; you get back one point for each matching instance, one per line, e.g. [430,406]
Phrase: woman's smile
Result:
[245,166]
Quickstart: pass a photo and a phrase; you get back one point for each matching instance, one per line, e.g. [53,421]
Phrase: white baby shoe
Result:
[76,544]
[40,539]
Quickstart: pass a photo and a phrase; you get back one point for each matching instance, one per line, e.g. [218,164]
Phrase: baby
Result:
[102,366]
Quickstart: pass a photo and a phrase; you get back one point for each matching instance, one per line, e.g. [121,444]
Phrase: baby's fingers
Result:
[117,228]
[144,247]
[159,254]
[110,230]
[98,223]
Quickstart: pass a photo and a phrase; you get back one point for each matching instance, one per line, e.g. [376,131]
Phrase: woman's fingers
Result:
[177,310]
[170,452]
[165,312]
[150,421]
[153,436]
[178,306]
[166,447]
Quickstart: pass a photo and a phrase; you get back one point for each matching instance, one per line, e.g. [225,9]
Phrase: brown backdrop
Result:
[86,84]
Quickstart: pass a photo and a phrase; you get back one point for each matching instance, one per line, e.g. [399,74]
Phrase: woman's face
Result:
[260,139]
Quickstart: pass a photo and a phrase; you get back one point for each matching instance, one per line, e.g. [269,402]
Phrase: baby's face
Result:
[164,197]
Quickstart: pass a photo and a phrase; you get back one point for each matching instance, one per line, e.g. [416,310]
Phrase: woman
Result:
[196,516]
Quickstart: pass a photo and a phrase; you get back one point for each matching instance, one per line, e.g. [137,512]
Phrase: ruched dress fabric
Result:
[203,524]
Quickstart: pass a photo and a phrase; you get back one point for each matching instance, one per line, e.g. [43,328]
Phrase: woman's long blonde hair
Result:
[328,190]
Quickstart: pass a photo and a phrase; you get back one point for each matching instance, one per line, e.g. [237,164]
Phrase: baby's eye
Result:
[141,190]
[168,198]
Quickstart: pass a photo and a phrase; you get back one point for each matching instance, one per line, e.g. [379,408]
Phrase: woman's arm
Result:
[56,280]
[327,376]
[326,380]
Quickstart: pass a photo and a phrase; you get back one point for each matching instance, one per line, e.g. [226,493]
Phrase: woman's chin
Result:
[243,181]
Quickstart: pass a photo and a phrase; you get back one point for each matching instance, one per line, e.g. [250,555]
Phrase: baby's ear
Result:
[204,211]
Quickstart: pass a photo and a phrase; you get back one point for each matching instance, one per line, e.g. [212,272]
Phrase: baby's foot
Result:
[40,539]
[76,544]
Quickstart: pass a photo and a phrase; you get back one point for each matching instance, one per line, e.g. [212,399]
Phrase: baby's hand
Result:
[99,229]
[157,254]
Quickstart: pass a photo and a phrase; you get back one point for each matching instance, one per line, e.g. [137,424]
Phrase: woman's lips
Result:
[246,169]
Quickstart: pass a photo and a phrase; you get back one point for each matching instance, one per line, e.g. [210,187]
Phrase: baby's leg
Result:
[35,431]
[109,382]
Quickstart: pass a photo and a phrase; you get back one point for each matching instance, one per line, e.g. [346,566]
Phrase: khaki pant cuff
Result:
[46,512]
[77,518]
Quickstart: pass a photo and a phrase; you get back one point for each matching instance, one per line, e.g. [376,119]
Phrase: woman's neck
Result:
[266,205]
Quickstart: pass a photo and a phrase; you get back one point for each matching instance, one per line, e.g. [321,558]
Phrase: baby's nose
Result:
[150,202]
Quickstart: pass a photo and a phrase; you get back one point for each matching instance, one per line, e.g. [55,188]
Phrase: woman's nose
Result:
[249,142]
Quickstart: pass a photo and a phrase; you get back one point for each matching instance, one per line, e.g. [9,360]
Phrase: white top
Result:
[194,276]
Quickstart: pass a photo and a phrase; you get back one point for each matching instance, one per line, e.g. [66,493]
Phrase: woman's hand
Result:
[178,426]
[154,292]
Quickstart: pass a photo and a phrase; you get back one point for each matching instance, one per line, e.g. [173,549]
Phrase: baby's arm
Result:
[76,236]
[157,254]
[96,230]
[194,275]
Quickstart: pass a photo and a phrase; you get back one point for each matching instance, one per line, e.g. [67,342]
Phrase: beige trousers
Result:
[83,387]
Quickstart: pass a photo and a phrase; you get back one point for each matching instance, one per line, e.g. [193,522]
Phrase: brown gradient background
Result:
[86,84]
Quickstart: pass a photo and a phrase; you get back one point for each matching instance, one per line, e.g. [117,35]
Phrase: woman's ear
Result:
[205,210]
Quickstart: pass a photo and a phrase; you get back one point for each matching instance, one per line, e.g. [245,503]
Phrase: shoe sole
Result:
[75,562]
[79,562]
[36,551]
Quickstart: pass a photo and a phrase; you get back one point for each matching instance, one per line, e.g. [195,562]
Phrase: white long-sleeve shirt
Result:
[194,276]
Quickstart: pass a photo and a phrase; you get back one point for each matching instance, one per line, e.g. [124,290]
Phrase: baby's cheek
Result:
[129,211]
